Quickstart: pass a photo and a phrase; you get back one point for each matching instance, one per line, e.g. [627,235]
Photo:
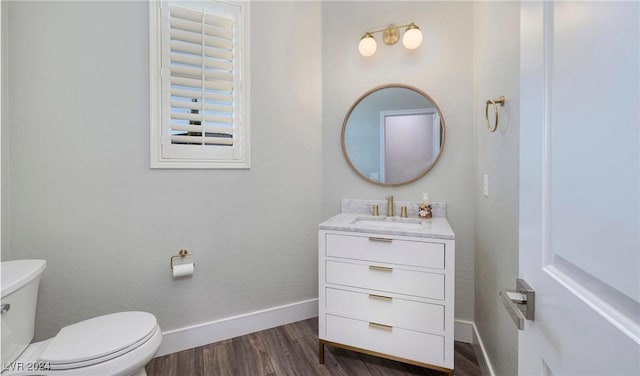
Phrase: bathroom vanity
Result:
[386,286]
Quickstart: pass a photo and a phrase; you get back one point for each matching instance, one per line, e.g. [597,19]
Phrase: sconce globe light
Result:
[412,38]
[368,45]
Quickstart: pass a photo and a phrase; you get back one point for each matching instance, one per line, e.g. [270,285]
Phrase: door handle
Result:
[519,303]
[5,307]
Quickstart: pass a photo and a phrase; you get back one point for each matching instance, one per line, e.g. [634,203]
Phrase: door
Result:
[408,143]
[580,187]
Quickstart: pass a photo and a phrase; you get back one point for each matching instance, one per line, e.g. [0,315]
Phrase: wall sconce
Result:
[412,38]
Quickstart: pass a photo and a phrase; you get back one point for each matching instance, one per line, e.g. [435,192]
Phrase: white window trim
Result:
[155,96]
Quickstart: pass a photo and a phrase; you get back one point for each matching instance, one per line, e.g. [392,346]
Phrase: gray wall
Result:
[442,67]
[4,197]
[81,195]
[496,72]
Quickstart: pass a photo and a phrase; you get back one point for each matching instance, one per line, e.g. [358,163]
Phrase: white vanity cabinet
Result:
[386,294]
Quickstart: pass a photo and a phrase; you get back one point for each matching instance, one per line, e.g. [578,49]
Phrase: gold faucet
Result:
[389,206]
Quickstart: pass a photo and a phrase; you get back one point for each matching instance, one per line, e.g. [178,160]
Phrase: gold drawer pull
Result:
[380,297]
[380,268]
[383,240]
[380,326]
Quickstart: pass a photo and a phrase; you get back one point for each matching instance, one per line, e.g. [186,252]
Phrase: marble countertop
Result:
[436,227]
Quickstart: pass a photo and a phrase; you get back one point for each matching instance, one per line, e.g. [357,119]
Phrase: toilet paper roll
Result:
[183,270]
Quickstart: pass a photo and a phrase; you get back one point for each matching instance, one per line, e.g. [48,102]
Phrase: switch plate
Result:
[485,185]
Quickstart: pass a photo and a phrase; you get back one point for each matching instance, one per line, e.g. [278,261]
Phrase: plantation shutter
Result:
[199,84]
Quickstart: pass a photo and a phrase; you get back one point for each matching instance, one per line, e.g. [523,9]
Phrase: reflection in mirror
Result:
[393,135]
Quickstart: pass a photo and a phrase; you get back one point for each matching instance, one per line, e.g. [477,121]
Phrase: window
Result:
[198,84]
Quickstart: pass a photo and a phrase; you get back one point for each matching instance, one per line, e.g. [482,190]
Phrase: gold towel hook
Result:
[495,103]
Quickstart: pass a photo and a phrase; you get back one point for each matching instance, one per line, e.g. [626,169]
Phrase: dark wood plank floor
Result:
[292,350]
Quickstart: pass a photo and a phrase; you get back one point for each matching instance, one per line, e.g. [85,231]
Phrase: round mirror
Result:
[393,135]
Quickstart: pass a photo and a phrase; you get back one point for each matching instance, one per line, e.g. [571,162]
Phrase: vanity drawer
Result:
[402,313]
[388,250]
[423,347]
[395,280]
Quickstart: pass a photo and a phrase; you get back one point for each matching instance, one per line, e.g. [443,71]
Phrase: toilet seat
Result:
[98,340]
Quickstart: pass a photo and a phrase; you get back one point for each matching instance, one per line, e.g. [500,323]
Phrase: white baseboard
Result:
[481,353]
[463,331]
[230,327]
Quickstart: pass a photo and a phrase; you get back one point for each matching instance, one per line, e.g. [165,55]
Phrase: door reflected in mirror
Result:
[393,135]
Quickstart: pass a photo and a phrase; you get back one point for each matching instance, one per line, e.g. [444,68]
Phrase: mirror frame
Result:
[362,97]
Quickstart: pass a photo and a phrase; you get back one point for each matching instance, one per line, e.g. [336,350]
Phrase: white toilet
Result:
[116,344]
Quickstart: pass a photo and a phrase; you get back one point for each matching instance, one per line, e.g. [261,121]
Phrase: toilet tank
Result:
[19,281]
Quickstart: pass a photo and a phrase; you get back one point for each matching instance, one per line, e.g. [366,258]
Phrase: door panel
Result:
[580,186]
[594,141]
[408,142]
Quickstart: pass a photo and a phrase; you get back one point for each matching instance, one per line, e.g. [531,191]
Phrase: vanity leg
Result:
[321,351]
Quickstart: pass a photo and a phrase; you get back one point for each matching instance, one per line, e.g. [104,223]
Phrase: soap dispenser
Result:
[424,209]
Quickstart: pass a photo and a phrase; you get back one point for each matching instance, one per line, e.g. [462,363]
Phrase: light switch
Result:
[485,185]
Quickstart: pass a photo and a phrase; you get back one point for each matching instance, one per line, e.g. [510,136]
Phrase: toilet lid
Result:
[99,339]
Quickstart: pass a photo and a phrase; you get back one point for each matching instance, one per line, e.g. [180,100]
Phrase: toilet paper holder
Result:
[181,254]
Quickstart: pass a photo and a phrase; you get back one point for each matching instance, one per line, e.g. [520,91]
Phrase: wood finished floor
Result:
[292,350]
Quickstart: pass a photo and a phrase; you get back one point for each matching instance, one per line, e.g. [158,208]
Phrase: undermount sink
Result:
[391,223]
